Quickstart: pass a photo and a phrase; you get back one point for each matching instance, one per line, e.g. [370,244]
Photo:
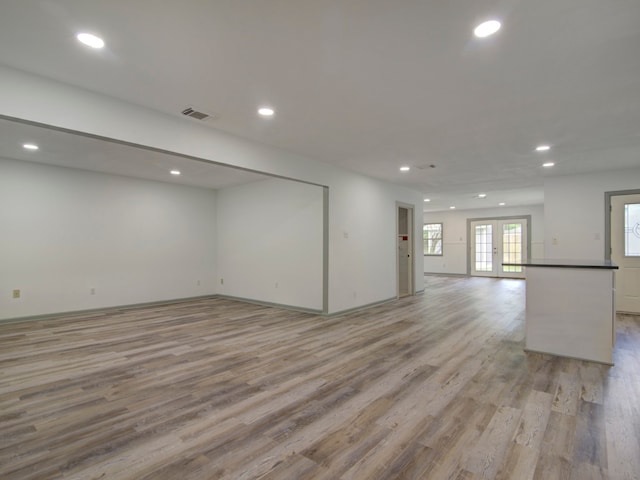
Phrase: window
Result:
[432,235]
[632,230]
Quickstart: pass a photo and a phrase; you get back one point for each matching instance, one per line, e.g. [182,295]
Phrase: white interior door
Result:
[496,241]
[625,251]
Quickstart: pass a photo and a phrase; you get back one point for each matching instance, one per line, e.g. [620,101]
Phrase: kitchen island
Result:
[570,308]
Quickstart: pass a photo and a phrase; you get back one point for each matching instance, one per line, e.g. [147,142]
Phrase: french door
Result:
[495,241]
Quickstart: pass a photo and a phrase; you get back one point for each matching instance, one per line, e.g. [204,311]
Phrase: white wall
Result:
[362,267]
[362,246]
[269,243]
[455,245]
[66,231]
[574,212]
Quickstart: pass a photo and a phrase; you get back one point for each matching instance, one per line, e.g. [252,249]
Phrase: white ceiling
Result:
[78,151]
[370,85]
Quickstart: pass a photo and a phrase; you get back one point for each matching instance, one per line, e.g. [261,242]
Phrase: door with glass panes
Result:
[625,251]
[497,241]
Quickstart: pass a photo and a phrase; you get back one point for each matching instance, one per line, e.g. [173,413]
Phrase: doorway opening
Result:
[622,246]
[404,249]
[493,241]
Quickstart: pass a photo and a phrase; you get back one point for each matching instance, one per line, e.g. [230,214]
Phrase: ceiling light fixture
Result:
[266,111]
[175,172]
[30,146]
[487,28]
[502,204]
[548,164]
[427,199]
[90,40]
[482,195]
[405,169]
[452,207]
[543,148]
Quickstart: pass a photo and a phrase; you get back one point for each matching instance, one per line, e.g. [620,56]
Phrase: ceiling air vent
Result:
[190,112]
[426,166]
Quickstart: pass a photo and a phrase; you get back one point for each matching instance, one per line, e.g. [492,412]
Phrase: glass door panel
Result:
[496,241]
[512,246]
[483,261]
[632,230]
[625,251]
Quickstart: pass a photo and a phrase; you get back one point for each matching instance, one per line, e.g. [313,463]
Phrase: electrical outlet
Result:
[16,293]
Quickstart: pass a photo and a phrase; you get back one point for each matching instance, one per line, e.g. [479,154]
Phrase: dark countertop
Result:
[564,263]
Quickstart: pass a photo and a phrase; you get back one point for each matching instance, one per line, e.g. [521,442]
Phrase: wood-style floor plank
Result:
[435,386]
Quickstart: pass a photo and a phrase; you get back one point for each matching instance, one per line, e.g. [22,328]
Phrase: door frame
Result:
[486,219]
[607,217]
[411,259]
[607,230]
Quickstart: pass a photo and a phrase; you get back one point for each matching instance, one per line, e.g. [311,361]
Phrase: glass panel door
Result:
[483,250]
[632,230]
[625,251]
[494,242]
[514,246]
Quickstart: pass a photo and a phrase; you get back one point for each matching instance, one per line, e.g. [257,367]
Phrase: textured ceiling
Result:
[370,85]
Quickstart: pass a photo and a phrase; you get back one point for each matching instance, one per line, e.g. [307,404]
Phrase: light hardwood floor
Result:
[435,386]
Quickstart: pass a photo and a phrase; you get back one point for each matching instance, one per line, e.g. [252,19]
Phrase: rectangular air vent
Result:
[426,166]
[190,112]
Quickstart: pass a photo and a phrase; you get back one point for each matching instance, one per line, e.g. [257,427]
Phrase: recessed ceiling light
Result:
[452,207]
[266,111]
[482,195]
[548,164]
[405,169]
[30,146]
[90,40]
[543,148]
[487,28]
[175,172]
[427,199]
[502,204]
